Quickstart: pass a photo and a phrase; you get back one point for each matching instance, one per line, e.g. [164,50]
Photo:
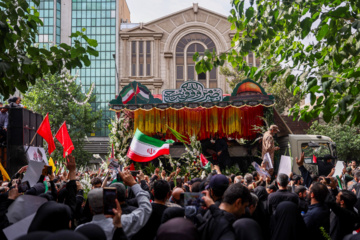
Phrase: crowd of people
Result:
[171,206]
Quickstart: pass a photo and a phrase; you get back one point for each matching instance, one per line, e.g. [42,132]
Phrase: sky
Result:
[148,10]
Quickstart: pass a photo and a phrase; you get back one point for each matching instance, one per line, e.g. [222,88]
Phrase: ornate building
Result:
[159,54]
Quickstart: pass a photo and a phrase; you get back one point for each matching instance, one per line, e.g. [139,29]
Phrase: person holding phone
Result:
[131,223]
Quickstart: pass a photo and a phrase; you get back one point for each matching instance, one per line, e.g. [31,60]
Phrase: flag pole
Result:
[31,142]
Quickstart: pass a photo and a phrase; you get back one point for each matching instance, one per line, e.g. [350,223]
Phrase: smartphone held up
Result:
[109,196]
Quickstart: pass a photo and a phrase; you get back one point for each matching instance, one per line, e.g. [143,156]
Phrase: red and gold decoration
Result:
[234,117]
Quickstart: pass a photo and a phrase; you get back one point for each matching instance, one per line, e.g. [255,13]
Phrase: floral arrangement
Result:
[120,132]
[191,159]
[85,182]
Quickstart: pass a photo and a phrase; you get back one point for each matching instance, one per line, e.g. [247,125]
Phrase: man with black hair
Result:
[218,185]
[217,223]
[301,192]
[161,191]
[121,197]
[318,214]
[96,183]
[282,194]
[271,189]
[342,217]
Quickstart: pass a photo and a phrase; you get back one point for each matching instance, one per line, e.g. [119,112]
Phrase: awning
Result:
[233,116]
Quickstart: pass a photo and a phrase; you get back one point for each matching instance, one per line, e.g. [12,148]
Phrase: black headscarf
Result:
[172,212]
[288,223]
[247,229]
[92,231]
[261,214]
[261,193]
[52,217]
[177,229]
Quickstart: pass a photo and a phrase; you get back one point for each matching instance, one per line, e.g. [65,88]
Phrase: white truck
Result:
[312,145]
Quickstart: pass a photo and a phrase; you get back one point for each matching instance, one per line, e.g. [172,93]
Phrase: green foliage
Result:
[231,170]
[50,95]
[21,63]
[346,138]
[274,31]
[149,170]
[325,234]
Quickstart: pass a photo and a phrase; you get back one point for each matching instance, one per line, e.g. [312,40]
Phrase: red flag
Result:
[137,89]
[112,151]
[64,138]
[44,131]
[132,167]
[314,159]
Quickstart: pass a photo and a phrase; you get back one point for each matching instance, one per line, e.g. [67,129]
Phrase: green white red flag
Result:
[128,94]
[205,164]
[144,148]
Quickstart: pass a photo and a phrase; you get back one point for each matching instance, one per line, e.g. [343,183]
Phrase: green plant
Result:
[325,234]
[275,31]
[346,138]
[63,99]
[22,63]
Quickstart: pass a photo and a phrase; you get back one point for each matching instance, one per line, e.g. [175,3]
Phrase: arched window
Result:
[185,66]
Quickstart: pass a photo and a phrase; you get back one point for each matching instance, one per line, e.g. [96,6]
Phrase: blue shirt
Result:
[318,215]
[4,117]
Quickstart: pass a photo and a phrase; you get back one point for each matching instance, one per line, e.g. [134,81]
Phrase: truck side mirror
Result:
[333,149]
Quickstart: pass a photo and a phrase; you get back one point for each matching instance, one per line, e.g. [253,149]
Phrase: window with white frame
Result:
[141,58]
[185,66]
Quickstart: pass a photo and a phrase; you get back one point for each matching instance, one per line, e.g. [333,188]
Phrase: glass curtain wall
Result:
[99,19]
[46,37]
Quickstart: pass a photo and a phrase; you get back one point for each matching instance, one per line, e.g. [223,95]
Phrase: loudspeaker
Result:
[22,127]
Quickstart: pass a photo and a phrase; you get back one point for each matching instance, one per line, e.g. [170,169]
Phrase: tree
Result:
[280,28]
[63,99]
[347,138]
[21,63]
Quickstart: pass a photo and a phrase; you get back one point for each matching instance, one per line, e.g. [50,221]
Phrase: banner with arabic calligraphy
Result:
[192,91]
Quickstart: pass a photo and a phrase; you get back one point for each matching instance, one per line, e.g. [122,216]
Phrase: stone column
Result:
[157,64]
[125,60]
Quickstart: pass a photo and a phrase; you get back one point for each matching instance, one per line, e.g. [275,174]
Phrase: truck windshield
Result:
[315,149]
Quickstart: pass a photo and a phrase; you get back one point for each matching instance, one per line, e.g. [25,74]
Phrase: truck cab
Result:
[314,146]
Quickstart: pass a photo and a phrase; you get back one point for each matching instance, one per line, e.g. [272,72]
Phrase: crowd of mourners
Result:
[305,206]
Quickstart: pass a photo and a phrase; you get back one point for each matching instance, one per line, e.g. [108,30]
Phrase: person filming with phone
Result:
[131,223]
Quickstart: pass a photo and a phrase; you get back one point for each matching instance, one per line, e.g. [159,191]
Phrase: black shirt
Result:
[281,196]
[150,229]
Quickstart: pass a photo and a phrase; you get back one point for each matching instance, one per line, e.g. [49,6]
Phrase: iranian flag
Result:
[144,148]
[128,94]
[205,164]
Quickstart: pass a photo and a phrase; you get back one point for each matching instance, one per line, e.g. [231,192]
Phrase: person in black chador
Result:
[222,152]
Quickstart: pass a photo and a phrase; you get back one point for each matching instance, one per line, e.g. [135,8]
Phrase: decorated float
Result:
[198,113]
[194,110]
